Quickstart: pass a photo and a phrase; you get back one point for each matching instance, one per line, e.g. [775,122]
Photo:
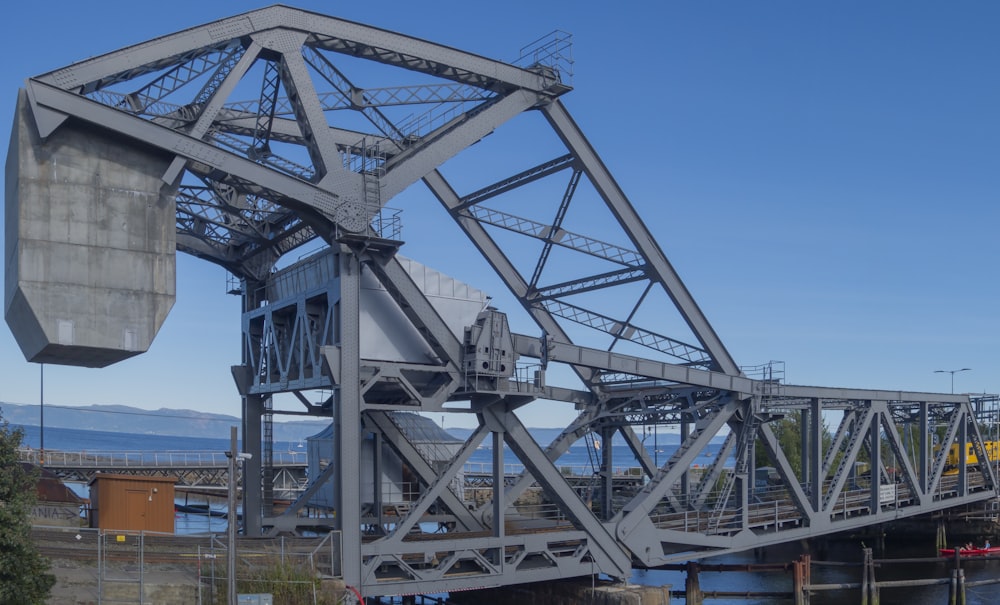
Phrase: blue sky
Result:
[823,176]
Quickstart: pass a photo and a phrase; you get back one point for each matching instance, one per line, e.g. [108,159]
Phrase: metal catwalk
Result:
[279,127]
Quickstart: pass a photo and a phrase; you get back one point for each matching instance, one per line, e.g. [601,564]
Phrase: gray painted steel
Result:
[358,331]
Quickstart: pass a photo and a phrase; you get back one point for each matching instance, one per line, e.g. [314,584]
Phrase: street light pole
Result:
[236,459]
[952,372]
[41,414]
[231,521]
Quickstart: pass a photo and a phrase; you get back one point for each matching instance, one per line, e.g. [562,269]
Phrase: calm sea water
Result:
[74,440]
[580,458]
[840,550]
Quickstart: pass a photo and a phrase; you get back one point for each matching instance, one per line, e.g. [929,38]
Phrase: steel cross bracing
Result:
[274,146]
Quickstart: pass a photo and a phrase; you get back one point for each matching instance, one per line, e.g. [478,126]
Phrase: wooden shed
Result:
[132,503]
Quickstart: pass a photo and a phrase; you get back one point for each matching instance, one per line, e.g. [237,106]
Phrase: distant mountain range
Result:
[191,423]
[126,419]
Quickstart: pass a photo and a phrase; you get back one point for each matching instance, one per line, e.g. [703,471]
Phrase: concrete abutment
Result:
[567,592]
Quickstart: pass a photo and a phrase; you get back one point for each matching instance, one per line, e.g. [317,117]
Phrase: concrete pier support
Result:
[90,241]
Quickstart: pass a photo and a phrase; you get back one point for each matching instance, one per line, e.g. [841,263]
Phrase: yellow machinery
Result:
[951,464]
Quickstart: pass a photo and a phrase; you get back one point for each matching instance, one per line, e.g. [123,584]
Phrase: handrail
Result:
[574,470]
[144,459]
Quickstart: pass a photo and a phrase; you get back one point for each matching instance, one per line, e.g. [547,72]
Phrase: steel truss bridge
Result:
[283,127]
[205,471]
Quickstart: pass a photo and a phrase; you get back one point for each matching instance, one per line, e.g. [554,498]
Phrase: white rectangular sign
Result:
[887,494]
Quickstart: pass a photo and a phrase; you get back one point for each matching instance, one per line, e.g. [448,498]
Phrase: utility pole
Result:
[41,414]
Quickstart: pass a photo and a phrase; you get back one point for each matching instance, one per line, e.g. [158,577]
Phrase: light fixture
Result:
[952,372]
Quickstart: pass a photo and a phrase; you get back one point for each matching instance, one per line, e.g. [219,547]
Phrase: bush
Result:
[288,582]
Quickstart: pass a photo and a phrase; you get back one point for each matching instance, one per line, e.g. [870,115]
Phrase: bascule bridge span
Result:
[241,140]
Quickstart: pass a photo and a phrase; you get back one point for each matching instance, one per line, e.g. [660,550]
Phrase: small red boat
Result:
[970,552]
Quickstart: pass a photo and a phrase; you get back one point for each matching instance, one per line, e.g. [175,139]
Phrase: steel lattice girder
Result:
[227,128]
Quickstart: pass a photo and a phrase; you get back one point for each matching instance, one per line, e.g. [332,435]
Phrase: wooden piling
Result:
[864,576]
[956,588]
[876,589]
[797,581]
[941,539]
[869,587]
[692,586]
[806,577]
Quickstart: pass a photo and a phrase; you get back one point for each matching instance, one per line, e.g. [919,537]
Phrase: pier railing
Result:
[216,459]
[143,459]
[575,470]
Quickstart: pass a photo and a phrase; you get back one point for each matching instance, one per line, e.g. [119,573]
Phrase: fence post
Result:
[100,565]
[142,562]
[199,574]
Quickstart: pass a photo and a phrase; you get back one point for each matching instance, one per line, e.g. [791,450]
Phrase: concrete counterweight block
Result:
[90,243]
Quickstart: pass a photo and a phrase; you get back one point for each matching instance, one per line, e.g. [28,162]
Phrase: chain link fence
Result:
[108,566]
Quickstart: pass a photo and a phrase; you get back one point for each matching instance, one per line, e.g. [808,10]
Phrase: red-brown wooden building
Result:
[132,503]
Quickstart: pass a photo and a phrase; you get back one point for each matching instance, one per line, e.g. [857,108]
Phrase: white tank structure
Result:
[389,336]
[90,243]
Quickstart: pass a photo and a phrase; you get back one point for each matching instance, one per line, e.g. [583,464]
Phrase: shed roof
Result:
[50,487]
[170,480]
[421,429]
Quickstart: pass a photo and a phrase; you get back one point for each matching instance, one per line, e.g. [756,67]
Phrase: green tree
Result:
[788,432]
[789,435]
[24,573]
